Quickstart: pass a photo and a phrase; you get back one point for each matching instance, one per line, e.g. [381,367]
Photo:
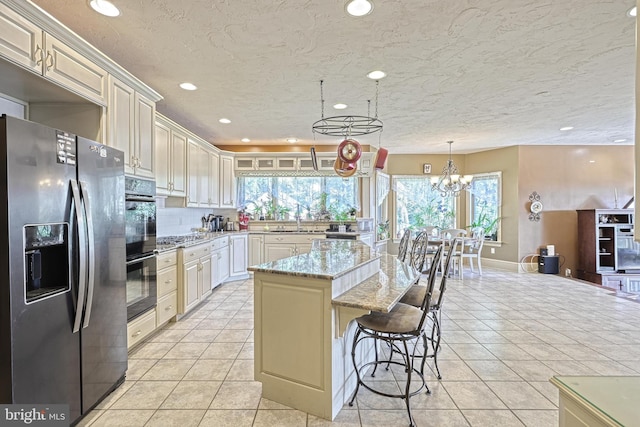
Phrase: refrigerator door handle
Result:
[82,265]
[91,253]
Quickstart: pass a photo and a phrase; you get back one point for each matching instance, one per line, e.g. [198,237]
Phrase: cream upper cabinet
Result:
[203,183]
[144,120]
[198,175]
[193,172]
[131,128]
[27,45]
[20,40]
[170,160]
[214,179]
[178,169]
[73,71]
[163,159]
[228,182]
[121,118]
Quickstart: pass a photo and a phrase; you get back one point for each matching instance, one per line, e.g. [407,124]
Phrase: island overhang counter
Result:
[304,307]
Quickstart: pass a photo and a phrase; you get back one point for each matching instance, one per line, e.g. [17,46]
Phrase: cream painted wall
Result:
[562,175]
[566,181]
[505,160]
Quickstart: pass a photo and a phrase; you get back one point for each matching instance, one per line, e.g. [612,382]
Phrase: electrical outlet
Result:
[493,250]
[567,272]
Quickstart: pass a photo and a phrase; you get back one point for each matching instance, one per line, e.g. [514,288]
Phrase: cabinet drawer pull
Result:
[47,63]
[168,308]
[167,281]
[136,334]
[167,260]
[37,54]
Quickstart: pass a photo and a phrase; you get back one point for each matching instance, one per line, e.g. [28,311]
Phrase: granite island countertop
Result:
[328,259]
[383,290]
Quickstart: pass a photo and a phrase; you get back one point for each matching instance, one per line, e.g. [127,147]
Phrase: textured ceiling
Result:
[484,73]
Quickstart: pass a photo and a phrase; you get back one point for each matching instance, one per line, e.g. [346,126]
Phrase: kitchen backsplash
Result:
[178,221]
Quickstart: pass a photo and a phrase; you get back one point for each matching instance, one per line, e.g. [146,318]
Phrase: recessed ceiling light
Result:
[104,7]
[292,140]
[619,140]
[359,7]
[377,75]
[632,12]
[592,161]
[225,121]
[188,86]
[340,106]
[566,128]
[245,140]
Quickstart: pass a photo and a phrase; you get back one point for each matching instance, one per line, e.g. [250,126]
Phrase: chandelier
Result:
[451,183]
[347,126]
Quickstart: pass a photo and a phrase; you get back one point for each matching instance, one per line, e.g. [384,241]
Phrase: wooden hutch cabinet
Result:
[607,252]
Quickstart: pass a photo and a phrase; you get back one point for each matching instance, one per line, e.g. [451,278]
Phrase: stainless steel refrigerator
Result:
[63,314]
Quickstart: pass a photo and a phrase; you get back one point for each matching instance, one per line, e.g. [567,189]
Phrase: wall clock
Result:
[535,207]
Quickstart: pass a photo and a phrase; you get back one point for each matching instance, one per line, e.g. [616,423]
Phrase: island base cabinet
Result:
[299,359]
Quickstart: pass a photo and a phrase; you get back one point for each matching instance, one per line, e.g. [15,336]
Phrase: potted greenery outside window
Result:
[488,225]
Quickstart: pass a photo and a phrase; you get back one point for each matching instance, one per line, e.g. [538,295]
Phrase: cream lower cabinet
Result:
[239,256]
[219,260]
[167,282]
[367,238]
[195,274]
[256,249]
[141,327]
[286,245]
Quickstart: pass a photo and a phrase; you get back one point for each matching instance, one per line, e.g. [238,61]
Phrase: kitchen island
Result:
[304,307]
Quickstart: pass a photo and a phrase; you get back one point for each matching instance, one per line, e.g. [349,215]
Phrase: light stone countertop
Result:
[204,238]
[328,259]
[383,290]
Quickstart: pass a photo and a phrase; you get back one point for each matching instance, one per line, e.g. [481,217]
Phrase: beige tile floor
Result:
[505,335]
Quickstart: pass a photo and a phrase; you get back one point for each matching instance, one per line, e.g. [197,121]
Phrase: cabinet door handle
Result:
[168,308]
[37,55]
[167,281]
[49,64]
[139,162]
[136,334]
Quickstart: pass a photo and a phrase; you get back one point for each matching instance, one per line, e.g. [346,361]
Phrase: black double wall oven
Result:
[141,244]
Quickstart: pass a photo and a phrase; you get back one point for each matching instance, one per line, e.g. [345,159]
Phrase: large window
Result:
[417,206]
[484,205]
[314,197]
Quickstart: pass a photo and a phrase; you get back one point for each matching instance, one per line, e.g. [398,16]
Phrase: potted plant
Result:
[486,223]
